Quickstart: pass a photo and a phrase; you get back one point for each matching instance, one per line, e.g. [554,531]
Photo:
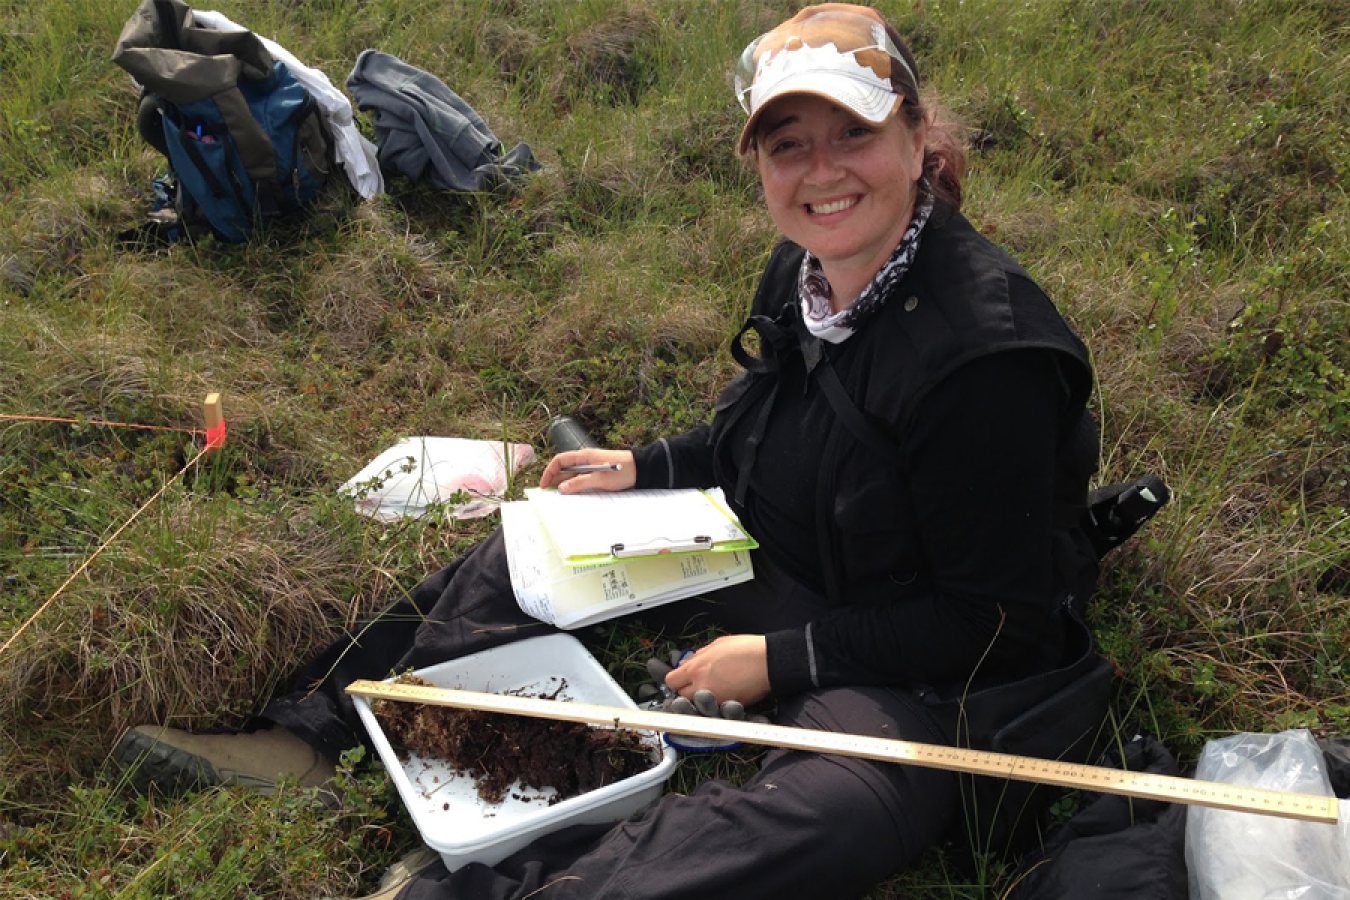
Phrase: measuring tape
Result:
[1286,804]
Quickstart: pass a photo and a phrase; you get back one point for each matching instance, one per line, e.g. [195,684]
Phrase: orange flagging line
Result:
[104,546]
[16,418]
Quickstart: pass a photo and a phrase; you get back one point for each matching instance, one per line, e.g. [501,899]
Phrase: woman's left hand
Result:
[734,667]
[621,478]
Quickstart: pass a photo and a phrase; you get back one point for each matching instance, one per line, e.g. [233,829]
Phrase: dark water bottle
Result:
[565,433]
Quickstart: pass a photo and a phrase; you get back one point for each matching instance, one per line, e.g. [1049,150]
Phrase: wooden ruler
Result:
[1308,807]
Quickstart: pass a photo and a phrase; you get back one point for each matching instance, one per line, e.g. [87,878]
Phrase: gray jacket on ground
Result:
[424,128]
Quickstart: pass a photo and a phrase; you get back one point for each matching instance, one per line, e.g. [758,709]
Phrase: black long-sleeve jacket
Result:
[945,542]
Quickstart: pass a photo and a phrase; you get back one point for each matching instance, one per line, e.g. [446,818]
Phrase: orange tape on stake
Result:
[215,422]
[215,437]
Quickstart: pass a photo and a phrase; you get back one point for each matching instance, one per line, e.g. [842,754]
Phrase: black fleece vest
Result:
[962,299]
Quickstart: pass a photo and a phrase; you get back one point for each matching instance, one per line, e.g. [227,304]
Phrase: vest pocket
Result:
[873,531]
[874,503]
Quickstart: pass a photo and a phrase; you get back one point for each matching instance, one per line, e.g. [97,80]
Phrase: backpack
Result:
[244,139]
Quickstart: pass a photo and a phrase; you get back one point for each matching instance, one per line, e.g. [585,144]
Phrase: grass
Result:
[1172,173]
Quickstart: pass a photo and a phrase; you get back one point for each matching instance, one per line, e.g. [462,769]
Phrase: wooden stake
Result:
[214,417]
[211,411]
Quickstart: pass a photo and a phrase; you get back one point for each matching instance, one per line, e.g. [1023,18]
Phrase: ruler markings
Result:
[1286,804]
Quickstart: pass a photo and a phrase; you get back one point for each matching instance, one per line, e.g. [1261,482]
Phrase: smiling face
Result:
[837,186]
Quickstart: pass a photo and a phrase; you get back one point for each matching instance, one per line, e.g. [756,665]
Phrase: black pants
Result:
[805,826]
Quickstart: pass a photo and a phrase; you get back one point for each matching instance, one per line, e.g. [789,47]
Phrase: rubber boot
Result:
[173,761]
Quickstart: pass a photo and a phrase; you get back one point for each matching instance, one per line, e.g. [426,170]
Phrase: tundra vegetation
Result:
[1172,171]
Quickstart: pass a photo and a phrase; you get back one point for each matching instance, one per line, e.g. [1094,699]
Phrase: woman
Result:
[911,450]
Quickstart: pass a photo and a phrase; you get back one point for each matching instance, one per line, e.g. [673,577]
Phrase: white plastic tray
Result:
[444,802]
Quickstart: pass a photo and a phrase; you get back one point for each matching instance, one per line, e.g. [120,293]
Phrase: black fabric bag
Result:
[1115,848]
[1054,715]
[1122,848]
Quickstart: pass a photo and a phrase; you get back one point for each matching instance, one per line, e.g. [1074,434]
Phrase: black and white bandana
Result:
[816,292]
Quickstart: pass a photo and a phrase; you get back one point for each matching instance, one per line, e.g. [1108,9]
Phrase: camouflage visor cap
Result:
[842,53]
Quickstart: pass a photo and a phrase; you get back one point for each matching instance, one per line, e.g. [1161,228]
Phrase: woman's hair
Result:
[944,154]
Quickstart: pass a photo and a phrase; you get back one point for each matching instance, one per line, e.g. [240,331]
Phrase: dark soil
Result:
[496,749]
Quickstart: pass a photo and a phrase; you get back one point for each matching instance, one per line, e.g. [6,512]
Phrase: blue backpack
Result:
[244,139]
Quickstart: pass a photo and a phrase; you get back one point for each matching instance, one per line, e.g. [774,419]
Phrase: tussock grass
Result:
[1172,172]
[121,648]
[354,300]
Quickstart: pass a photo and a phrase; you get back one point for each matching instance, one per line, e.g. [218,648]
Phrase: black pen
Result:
[602,467]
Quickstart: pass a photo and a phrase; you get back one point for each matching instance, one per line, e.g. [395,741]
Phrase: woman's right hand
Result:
[620,479]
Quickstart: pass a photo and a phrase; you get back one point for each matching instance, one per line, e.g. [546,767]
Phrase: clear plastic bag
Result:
[1245,856]
[418,473]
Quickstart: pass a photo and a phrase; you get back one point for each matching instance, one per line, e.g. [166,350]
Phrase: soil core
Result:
[497,748]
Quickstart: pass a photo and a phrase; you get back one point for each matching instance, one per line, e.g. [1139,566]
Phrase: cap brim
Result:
[872,104]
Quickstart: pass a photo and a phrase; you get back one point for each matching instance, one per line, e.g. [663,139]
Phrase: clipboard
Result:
[596,529]
[576,596]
